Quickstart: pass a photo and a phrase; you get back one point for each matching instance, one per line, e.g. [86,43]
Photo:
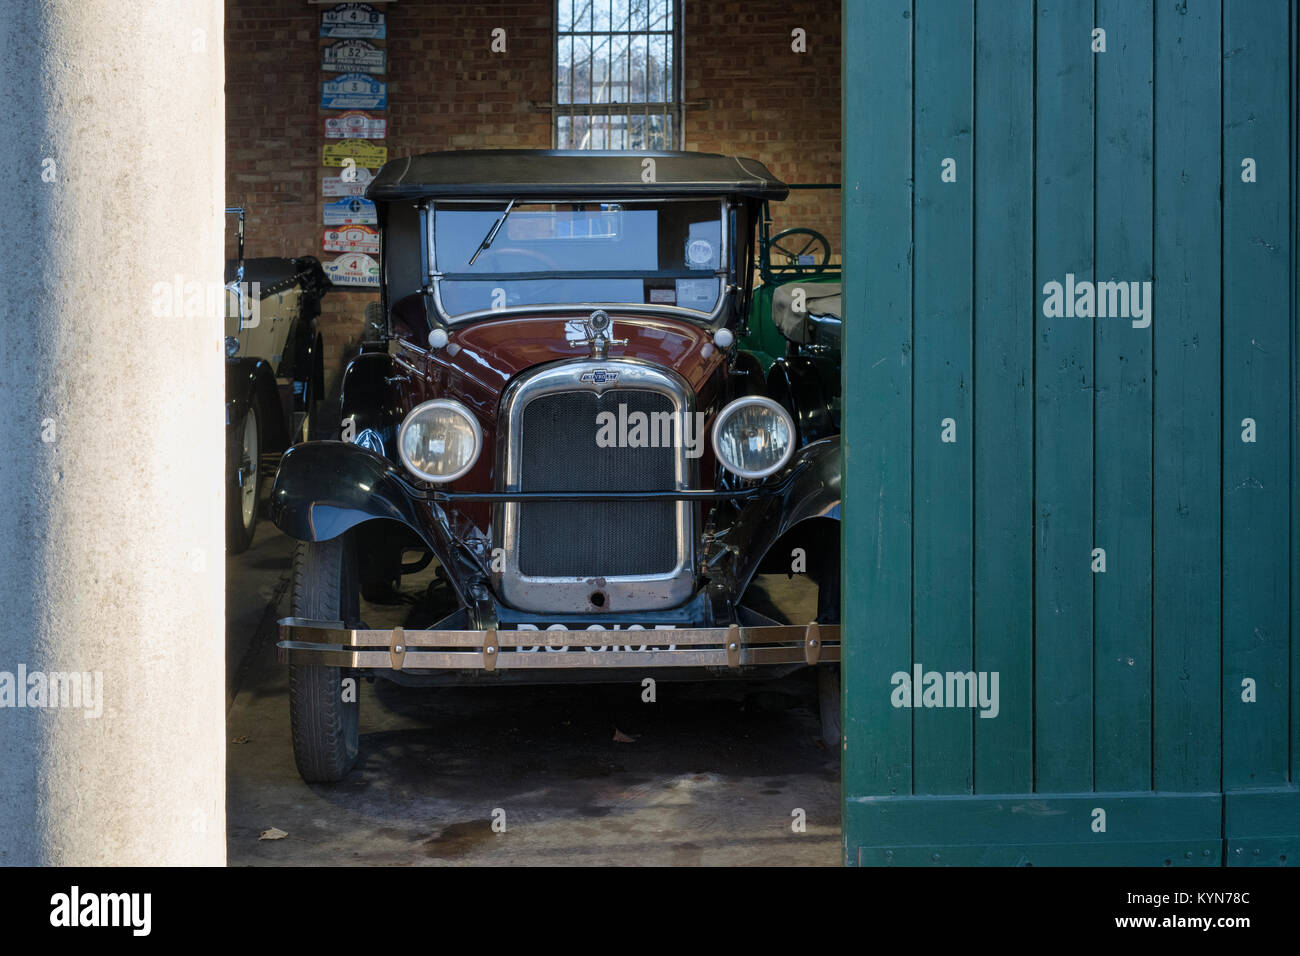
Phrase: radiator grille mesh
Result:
[593,538]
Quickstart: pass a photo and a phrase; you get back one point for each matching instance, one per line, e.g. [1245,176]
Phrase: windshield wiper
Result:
[492,233]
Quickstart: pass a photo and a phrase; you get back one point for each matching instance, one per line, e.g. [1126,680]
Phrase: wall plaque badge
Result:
[356,125]
[338,186]
[351,239]
[361,151]
[353,20]
[354,91]
[354,56]
[351,211]
[353,268]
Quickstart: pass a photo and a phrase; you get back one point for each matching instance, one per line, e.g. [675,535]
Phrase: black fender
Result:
[249,381]
[808,490]
[746,377]
[371,398]
[326,488]
[796,386]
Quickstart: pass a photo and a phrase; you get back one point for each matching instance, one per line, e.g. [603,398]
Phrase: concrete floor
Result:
[713,775]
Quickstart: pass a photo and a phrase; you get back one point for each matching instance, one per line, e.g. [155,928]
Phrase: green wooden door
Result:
[1070,461]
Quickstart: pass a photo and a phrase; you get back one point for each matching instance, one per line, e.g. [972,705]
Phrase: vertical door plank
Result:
[1122,490]
[1186,356]
[877,371]
[941,294]
[1006,302]
[1256,368]
[1063,402]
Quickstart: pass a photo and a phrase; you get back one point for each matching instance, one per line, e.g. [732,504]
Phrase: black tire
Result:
[243,467]
[325,727]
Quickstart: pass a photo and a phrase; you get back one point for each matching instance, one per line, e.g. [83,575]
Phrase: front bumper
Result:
[331,644]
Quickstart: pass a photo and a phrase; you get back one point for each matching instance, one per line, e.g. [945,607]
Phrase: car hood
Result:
[483,357]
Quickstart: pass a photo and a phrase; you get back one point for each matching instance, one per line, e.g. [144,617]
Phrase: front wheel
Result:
[324,712]
[244,485]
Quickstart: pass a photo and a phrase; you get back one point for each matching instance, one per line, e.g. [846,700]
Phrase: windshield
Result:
[589,253]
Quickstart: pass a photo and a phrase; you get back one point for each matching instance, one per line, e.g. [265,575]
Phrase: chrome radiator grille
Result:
[593,538]
[592,556]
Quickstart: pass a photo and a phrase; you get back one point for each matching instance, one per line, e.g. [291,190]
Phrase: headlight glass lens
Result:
[439,440]
[753,437]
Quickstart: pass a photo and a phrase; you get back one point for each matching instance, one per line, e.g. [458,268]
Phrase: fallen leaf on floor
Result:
[622,738]
[239,740]
[273,834]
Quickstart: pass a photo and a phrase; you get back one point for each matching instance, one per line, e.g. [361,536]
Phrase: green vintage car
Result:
[793,332]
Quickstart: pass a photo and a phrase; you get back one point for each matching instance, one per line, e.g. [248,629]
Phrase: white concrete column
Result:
[111,432]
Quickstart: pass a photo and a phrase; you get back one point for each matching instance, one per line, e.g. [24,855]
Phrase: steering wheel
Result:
[795,244]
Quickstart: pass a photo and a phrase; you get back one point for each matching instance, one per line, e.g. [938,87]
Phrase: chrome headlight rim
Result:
[730,409]
[453,406]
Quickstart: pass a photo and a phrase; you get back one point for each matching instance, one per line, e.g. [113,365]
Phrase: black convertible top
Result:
[273,275]
[571,174]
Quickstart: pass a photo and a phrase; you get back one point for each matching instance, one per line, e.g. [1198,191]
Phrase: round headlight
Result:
[439,440]
[753,437]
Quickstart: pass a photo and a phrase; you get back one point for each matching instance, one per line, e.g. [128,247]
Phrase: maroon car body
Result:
[534,305]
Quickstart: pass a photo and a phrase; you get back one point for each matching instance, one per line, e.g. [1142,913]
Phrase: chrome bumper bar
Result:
[330,643]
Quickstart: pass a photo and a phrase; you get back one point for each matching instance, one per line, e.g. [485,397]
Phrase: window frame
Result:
[726,273]
[674,108]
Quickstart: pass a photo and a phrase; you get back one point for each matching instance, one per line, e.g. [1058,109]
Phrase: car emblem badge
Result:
[600,376]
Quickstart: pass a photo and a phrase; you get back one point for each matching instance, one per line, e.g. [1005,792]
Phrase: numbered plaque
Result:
[354,56]
[354,268]
[351,239]
[354,91]
[361,151]
[355,124]
[356,186]
[353,20]
[351,211]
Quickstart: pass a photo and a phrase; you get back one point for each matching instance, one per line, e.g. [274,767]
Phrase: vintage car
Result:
[274,372]
[556,410]
[794,324]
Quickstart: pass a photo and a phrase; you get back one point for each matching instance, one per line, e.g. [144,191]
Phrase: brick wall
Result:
[747,94]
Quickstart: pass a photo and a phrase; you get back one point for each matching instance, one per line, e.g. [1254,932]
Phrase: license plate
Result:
[630,629]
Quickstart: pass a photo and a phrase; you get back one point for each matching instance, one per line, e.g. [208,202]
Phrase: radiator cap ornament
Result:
[597,328]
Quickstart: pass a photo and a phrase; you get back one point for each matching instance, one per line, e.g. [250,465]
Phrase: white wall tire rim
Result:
[248,470]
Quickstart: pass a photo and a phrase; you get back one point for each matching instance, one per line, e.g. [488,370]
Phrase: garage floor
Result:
[710,774]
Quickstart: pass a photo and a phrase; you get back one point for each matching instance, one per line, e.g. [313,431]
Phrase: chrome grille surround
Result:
[557,594]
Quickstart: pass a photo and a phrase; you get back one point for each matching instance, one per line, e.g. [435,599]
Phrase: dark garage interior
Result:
[711,773]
